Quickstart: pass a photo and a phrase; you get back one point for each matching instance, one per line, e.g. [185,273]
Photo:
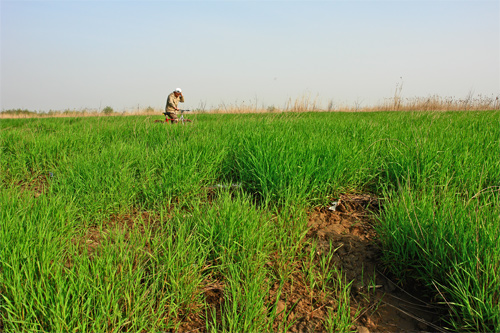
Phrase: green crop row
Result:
[118,223]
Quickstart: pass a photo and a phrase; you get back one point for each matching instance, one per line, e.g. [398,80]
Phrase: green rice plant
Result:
[285,312]
[449,245]
[309,268]
[339,318]
[245,309]
[326,269]
[441,218]
[236,237]
[30,253]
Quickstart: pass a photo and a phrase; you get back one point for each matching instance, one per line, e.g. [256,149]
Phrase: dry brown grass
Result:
[85,113]
[305,103]
[438,103]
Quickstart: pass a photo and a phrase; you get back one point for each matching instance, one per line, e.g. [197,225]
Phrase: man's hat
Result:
[178,90]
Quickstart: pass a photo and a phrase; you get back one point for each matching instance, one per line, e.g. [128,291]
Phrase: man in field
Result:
[172,101]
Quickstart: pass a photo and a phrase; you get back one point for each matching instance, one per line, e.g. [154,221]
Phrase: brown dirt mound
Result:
[349,227]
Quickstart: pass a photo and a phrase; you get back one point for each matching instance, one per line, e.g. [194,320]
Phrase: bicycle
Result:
[181,118]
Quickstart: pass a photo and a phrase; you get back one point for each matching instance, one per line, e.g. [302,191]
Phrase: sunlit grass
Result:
[115,223]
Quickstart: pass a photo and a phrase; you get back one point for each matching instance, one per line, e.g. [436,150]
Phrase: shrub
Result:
[108,110]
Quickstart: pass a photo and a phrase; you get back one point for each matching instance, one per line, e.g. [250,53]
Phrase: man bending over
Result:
[172,102]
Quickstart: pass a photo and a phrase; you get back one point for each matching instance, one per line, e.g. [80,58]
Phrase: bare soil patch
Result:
[37,185]
[93,236]
[388,308]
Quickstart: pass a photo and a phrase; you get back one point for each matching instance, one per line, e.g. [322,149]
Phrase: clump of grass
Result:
[302,104]
[451,245]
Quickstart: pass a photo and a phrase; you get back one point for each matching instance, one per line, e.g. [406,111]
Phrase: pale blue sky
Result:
[124,54]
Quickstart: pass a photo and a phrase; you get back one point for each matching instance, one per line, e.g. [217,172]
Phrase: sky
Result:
[76,55]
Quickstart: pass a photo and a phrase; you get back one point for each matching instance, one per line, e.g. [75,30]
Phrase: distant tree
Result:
[271,108]
[18,112]
[108,110]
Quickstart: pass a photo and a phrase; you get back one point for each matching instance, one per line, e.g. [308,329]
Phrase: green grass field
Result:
[121,224]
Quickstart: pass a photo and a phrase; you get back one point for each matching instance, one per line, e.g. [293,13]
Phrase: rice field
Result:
[123,224]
